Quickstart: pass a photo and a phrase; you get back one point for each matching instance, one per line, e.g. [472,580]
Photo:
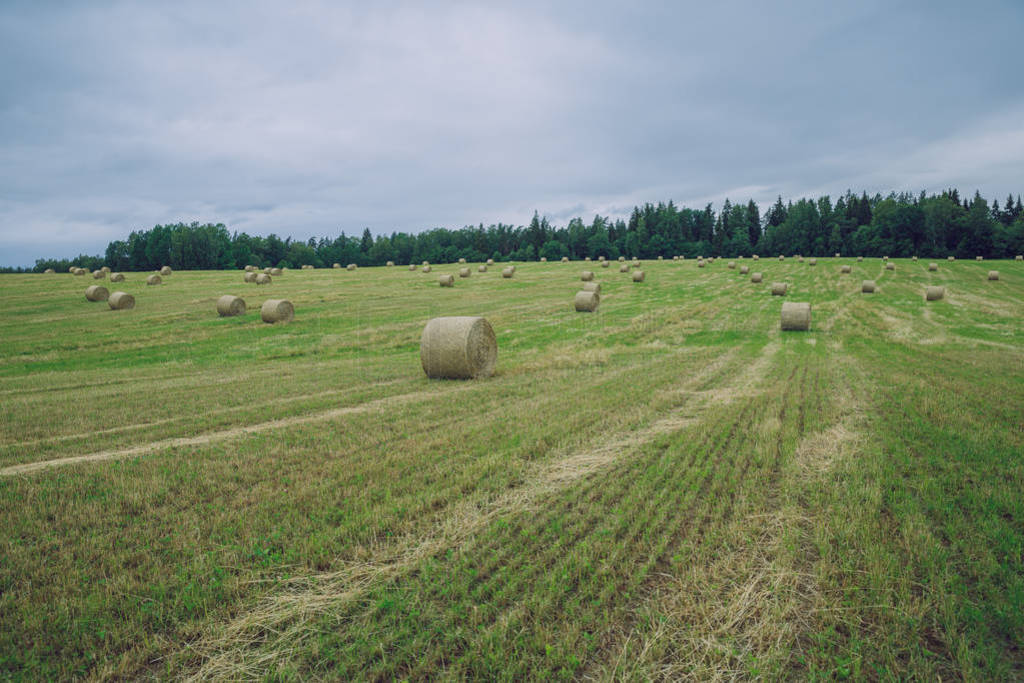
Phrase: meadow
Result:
[670,487]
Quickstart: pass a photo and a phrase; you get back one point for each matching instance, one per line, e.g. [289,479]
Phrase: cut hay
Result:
[277,311]
[600,258]
[117,277]
[482,268]
[425,263]
[585,258]
[624,268]
[96,293]
[755,257]
[446,280]
[605,264]
[675,258]
[458,347]
[250,269]
[106,269]
[621,259]
[890,265]
[744,270]
[464,272]
[660,257]
[1018,257]
[638,276]
[508,271]
[165,271]
[914,259]
[860,259]
[263,279]
[543,259]
[587,302]
[933,266]
[426,269]
[867,287]
[993,275]
[592,287]
[276,272]
[779,288]
[249,277]
[230,305]
[837,255]
[796,316]
[781,257]
[587,275]
[98,275]
[845,269]
[351,266]
[565,259]
[121,301]
[154,279]
[267,270]
[306,266]
[636,264]
[934,293]
[799,259]
[72,269]
[756,277]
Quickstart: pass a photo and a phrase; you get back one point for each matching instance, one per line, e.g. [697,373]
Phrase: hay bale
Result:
[950,258]
[412,266]
[812,262]
[565,259]
[756,277]
[587,275]
[638,276]
[890,265]
[933,266]
[867,287]
[675,258]
[700,263]
[106,269]
[276,272]
[914,259]
[490,262]
[636,263]
[1018,257]
[621,259]
[277,311]
[587,302]
[978,258]
[336,266]
[796,316]
[543,259]
[249,269]
[731,265]
[885,258]
[165,271]
[117,277]
[249,277]
[837,255]
[624,268]
[96,293]
[845,270]
[781,257]
[860,259]
[755,257]
[390,264]
[72,269]
[585,258]
[779,288]
[49,271]
[592,287]
[993,275]
[605,264]
[660,257]
[426,269]
[98,275]
[744,270]
[263,279]
[799,259]
[425,263]
[482,268]
[267,270]
[154,279]
[446,280]
[458,347]
[462,260]
[351,266]
[230,305]
[934,293]
[508,271]
[600,258]
[464,272]
[306,266]
[121,301]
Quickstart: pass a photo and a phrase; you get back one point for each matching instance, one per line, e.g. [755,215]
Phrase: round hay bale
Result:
[951,258]
[230,305]
[263,279]
[96,293]
[458,347]
[587,302]
[106,269]
[306,266]
[993,275]
[934,293]
[796,316]
[605,264]
[426,269]
[845,269]
[412,266]
[638,276]
[336,266]
[277,311]
[565,259]
[592,287]
[587,275]
[744,270]
[446,280]
[351,266]
[755,257]
[812,262]
[276,272]
[508,271]
[978,258]
[624,268]
[165,271]
[390,264]
[781,257]
[756,277]
[675,258]
[933,266]
[890,265]
[117,277]
[731,265]
[636,264]
[587,259]
[121,301]
[98,275]
[249,277]
[81,271]
[267,270]
[779,288]
[462,260]
[799,259]
[867,287]
[621,259]
[1018,257]
[72,269]
[49,271]
[464,272]
[490,262]
[154,279]
[860,259]
[600,258]
[250,269]
[885,258]
[837,255]
[543,259]
[482,268]
[700,264]
[660,257]
[914,259]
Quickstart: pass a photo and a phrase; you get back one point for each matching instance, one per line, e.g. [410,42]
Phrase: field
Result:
[668,488]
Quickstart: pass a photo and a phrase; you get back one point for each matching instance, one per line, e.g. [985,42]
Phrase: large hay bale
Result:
[605,264]
[276,272]
[600,258]
[837,255]
[154,279]
[351,266]
[624,268]
[638,276]
[464,272]
[267,270]
[779,288]
[700,263]
[230,305]
[458,347]
[799,259]
[933,266]
[993,275]
[731,265]
[490,262]
[934,293]
[951,258]
[482,268]
[49,271]
[117,277]
[543,259]
[867,287]
[98,275]
[860,259]
[796,315]
[165,271]
[755,257]
[592,287]
[96,293]
[1018,257]
[675,258]
[744,270]
[781,257]
[508,271]
[978,258]
[462,260]
[585,258]
[426,269]
[426,263]
[390,264]
[105,269]
[250,269]
[756,277]
[660,257]
[412,266]
[587,275]
[565,259]
[121,301]
[446,280]
[890,265]
[72,269]
[621,259]
[845,269]
[277,311]
[914,259]
[336,266]
[81,271]
[249,277]
[812,262]
[636,263]
[263,279]
[306,266]
[587,302]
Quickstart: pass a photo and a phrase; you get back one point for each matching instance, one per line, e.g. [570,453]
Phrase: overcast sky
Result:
[308,119]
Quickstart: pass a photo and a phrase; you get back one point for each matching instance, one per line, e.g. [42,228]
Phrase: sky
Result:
[311,118]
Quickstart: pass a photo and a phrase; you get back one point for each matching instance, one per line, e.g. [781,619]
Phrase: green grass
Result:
[668,488]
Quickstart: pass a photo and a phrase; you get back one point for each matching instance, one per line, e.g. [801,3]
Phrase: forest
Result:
[897,225]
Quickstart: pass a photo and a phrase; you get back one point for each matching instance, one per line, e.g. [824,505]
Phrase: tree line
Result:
[897,225]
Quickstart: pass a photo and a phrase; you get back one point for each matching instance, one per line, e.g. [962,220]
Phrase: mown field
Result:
[668,488]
